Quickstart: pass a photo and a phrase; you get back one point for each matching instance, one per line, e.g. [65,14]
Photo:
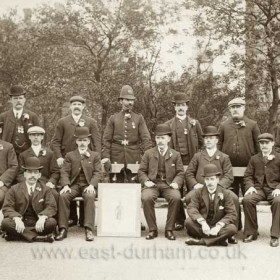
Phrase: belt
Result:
[124,142]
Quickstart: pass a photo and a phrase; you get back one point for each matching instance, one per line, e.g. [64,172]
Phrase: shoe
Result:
[143,227]
[192,241]
[224,243]
[232,240]
[72,223]
[152,234]
[47,238]
[178,227]
[89,234]
[274,242]
[169,235]
[250,238]
[61,235]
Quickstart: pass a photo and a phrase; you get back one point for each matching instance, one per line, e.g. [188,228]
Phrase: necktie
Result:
[161,150]
[17,116]
[31,191]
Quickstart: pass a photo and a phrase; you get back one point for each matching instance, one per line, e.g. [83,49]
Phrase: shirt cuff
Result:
[221,224]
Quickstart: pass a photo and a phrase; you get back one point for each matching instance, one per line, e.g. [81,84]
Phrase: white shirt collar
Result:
[19,112]
[76,118]
[36,149]
[181,117]
[164,151]
[211,152]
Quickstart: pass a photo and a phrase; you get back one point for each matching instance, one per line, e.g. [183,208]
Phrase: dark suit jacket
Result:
[148,169]
[196,166]
[224,208]
[64,141]
[17,199]
[134,130]
[72,166]
[8,163]
[9,121]
[240,143]
[50,171]
[257,169]
[195,139]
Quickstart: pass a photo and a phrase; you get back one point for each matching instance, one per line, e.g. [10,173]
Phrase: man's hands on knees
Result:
[174,186]
[65,189]
[19,225]
[276,192]
[198,186]
[205,228]
[149,184]
[40,223]
[60,161]
[1,184]
[90,189]
[251,190]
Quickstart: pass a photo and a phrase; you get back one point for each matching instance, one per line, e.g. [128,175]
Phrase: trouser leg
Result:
[89,210]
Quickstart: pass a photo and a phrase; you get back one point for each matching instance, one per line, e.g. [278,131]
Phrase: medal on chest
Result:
[185,131]
[20,129]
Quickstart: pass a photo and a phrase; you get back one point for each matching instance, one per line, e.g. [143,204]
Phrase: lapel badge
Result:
[81,122]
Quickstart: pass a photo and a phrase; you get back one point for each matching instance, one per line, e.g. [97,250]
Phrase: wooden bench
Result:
[116,168]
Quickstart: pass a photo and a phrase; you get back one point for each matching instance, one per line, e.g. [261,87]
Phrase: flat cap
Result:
[36,129]
[265,137]
[237,101]
[16,91]
[77,98]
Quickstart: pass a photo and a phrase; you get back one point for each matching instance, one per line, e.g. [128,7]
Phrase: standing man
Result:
[64,141]
[186,139]
[161,173]
[211,212]
[125,132]
[80,175]
[262,182]
[239,139]
[29,208]
[17,120]
[8,168]
[50,172]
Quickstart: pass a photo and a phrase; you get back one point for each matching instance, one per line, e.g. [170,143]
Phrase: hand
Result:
[215,230]
[65,189]
[198,186]
[19,225]
[174,186]
[89,189]
[276,192]
[251,190]
[40,223]
[60,161]
[50,185]
[104,160]
[205,228]
[1,184]
[149,184]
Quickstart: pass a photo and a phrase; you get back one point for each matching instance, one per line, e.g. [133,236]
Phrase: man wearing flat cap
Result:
[211,155]
[126,133]
[8,168]
[80,175]
[212,214]
[17,120]
[29,208]
[262,182]
[186,139]
[239,139]
[161,173]
[50,172]
[63,140]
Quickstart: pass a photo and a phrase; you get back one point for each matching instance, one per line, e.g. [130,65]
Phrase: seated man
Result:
[211,154]
[50,171]
[29,207]
[262,182]
[161,172]
[8,168]
[212,214]
[80,175]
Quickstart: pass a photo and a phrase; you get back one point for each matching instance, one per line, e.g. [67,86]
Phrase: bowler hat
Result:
[82,132]
[237,101]
[210,131]
[210,170]
[163,129]
[36,129]
[77,98]
[32,163]
[265,137]
[127,93]
[180,97]
[16,91]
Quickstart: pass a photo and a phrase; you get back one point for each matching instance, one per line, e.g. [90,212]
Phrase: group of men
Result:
[37,184]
